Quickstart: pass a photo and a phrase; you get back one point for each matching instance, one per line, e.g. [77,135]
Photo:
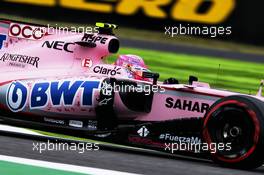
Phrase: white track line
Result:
[18,130]
[62,167]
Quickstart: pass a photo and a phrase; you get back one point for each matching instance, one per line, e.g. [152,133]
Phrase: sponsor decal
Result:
[26,31]
[16,97]
[91,38]
[103,135]
[143,131]
[92,125]
[76,123]
[184,10]
[20,60]
[107,71]
[104,101]
[181,139]
[187,105]
[50,120]
[59,45]
[106,89]
[2,39]
[59,93]
[145,141]
[87,63]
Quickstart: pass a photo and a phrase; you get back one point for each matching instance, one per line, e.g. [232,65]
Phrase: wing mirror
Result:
[154,76]
[192,79]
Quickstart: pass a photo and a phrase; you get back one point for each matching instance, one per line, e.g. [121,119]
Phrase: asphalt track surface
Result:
[119,161]
[193,50]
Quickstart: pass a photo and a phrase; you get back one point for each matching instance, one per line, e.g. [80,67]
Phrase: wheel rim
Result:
[235,124]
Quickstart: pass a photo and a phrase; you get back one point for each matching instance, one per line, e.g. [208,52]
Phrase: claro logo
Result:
[26,31]
[184,10]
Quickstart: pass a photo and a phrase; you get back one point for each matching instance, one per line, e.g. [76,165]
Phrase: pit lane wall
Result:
[237,20]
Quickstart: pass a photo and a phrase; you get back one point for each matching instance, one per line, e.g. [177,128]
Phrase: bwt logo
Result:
[26,31]
[16,96]
[58,93]
[2,39]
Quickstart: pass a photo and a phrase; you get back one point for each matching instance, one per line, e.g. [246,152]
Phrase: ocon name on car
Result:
[106,71]
[26,31]
[188,105]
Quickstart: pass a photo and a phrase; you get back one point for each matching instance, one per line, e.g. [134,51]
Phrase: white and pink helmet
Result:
[134,64]
[130,60]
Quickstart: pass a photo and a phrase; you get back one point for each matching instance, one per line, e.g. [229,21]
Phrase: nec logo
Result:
[26,31]
[59,45]
[2,39]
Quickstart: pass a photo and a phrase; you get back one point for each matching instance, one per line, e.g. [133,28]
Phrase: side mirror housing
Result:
[192,79]
[154,76]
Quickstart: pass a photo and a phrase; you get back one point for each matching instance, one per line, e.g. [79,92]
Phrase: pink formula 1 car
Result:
[59,80]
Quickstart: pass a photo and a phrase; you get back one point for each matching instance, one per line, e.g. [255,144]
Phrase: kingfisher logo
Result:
[58,93]
[2,39]
[16,96]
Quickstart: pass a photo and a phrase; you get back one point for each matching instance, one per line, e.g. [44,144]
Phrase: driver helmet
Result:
[133,60]
[134,64]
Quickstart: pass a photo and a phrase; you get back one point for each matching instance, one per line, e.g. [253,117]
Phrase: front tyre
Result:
[236,121]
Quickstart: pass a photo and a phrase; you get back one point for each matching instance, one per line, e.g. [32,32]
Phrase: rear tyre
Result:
[235,124]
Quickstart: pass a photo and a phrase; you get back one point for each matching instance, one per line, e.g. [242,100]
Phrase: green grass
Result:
[22,169]
[233,75]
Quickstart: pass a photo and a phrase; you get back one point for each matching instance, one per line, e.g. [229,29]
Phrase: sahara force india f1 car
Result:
[52,79]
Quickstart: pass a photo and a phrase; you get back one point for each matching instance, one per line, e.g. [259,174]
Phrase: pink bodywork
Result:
[61,65]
